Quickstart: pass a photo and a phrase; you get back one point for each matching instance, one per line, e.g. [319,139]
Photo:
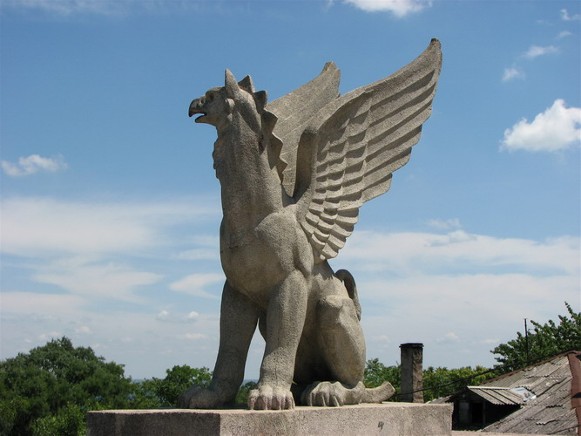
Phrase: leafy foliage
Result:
[48,389]
[544,341]
[155,393]
[438,382]
[441,382]
[68,421]
[376,373]
[244,391]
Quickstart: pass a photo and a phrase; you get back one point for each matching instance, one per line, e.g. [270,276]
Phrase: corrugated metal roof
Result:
[536,378]
[550,412]
[499,396]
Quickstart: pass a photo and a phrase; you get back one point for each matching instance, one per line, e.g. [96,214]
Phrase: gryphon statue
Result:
[294,174]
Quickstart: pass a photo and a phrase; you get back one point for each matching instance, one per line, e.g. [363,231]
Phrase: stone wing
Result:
[294,112]
[348,155]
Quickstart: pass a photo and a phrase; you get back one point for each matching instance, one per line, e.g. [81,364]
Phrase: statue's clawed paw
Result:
[268,398]
[332,394]
[200,398]
[326,394]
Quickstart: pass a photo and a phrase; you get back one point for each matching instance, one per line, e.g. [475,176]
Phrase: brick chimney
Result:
[411,373]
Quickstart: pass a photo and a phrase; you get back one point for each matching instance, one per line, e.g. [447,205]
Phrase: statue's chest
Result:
[257,259]
[250,264]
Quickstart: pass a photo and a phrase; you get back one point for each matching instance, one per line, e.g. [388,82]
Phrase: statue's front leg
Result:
[238,319]
[284,326]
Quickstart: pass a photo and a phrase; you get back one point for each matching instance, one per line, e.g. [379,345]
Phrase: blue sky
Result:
[110,206]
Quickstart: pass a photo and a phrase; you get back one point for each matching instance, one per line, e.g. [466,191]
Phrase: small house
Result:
[544,398]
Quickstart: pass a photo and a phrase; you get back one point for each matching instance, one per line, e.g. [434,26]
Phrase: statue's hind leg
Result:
[342,338]
[343,346]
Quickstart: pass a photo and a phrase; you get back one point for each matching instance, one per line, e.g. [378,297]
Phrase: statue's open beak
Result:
[196,107]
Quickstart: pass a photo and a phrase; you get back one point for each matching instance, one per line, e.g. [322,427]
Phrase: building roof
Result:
[501,395]
[555,407]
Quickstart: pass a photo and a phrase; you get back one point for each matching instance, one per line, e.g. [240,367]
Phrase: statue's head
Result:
[219,106]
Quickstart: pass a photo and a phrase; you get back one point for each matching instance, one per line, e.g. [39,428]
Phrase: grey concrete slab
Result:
[401,419]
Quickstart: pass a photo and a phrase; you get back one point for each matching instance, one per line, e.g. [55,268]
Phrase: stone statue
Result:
[293,176]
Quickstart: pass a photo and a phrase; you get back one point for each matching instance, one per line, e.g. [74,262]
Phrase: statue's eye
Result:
[210,96]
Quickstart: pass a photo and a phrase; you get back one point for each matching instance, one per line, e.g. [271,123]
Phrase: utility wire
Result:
[501,369]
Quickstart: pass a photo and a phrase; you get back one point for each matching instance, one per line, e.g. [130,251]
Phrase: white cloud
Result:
[566,17]
[45,337]
[33,164]
[512,73]
[193,336]
[382,338]
[515,72]
[206,248]
[162,316]
[97,280]
[426,307]
[564,34]
[535,51]
[448,337]
[30,319]
[54,305]
[442,289]
[557,128]
[32,225]
[180,318]
[83,329]
[69,7]
[44,226]
[399,8]
[97,251]
[491,341]
[199,254]
[195,284]
[451,223]
[425,253]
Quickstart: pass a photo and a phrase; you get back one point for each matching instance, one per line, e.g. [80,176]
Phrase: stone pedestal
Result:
[367,419]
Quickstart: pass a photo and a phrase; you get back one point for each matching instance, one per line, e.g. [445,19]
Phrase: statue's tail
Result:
[378,394]
[349,283]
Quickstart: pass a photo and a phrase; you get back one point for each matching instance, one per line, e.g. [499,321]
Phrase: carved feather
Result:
[348,154]
[294,112]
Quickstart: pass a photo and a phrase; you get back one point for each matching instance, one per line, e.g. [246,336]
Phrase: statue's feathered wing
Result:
[349,151]
[294,112]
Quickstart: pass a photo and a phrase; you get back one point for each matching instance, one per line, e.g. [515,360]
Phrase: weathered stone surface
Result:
[412,373]
[368,419]
[293,176]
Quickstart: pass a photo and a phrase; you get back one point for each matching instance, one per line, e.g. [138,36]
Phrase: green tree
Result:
[51,381]
[441,382]
[155,393]
[244,391]
[68,421]
[543,341]
[376,373]
[178,380]
[437,382]
[145,394]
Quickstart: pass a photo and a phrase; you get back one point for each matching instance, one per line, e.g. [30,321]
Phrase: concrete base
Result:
[366,419]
